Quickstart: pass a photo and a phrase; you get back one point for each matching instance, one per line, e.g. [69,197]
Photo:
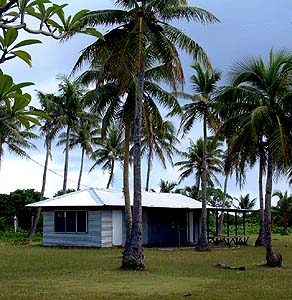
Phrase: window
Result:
[71,221]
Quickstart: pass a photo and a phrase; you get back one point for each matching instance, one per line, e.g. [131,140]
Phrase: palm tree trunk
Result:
[221,219]
[66,161]
[148,168]
[134,254]
[260,241]
[81,168]
[268,196]
[273,259]
[111,173]
[1,152]
[203,244]
[37,217]
[286,225]
[198,183]
[126,188]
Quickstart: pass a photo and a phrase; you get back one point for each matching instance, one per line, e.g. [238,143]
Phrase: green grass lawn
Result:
[36,272]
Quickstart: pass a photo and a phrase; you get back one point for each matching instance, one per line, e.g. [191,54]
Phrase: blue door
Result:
[167,226]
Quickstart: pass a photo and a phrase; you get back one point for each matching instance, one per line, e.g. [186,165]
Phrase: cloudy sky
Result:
[247,28]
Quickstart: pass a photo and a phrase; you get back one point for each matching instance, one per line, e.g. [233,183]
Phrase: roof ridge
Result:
[95,196]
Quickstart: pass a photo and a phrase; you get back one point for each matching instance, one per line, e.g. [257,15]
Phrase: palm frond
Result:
[186,44]
[106,17]
[176,12]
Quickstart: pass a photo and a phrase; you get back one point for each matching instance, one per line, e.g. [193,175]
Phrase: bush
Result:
[19,237]
[251,224]
[279,230]
[14,204]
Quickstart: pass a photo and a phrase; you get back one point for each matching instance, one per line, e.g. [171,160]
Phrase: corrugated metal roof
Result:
[102,197]
[79,198]
[171,200]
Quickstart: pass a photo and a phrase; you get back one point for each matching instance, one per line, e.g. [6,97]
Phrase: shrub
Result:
[19,237]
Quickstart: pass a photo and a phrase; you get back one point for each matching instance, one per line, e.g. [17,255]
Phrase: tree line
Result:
[13,206]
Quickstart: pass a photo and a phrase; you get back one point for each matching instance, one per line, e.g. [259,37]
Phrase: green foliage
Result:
[14,104]
[217,198]
[166,186]
[18,238]
[10,51]
[280,230]
[110,149]
[9,90]
[131,263]
[14,205]
[192,164]
[16,114]
[49,17]
[190,191]
[19,15]
[252,226]
[244,202]
[61,192]
[282,213]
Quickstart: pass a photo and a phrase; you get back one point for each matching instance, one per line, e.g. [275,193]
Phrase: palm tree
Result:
[86,134]
[16,140]
[49,129]
[108,101]
[240,158]
[218,198]
[237,160]
[201,107]
[166,186]
[283,210]
[259,97]
[71,104]
[158,137]
[189,191]
[260,241]
[16,117]
[110,150]
[244,202]
[193,162]
[141,25]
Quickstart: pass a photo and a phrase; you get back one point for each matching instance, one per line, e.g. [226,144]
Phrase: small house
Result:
[95,218]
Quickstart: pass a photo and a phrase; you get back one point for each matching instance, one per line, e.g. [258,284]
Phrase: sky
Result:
[247,28]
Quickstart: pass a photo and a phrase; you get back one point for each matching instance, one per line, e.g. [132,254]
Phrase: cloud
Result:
[22,173]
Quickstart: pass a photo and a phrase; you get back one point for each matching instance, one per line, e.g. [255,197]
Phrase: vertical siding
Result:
[124,228]
[196,225]
[145,225]
[117,227]
[106,228]
[92,238]
[191,226]
[99,233]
